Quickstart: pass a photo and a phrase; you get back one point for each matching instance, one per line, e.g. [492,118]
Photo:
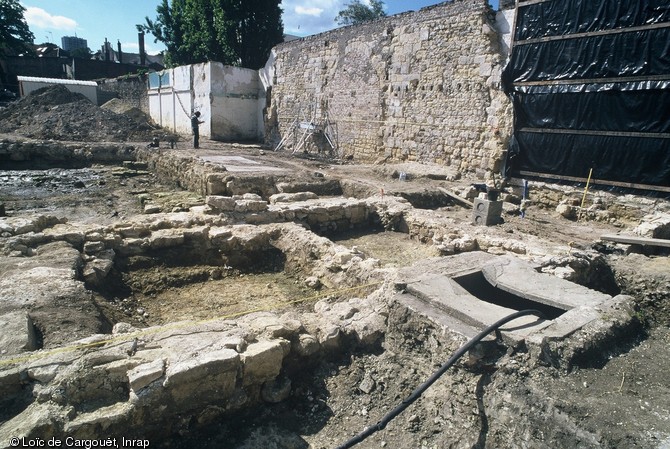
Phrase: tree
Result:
[356,12]
[234,32]
[261,28]
[83,53]
[166,28]
[15,36]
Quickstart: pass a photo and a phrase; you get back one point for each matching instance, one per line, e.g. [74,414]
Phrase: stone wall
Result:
[140,382]
[131,89]
[418,86]
[19,154]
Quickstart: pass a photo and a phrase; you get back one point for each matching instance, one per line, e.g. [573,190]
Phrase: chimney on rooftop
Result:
[106,50]
[140,38]
[118,46]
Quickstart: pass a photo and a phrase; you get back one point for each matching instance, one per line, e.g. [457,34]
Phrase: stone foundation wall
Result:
[36,153]
[419,86]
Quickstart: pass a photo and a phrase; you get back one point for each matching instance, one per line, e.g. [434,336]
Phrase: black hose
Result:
[431,380]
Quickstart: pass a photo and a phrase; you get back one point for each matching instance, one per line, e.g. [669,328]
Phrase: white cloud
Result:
[40,18]
[134,47]
[304,17]
[316,12]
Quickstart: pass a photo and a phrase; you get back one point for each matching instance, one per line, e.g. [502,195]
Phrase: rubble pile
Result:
[56,113]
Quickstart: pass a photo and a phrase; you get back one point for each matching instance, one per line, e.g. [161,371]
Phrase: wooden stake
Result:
[586,189]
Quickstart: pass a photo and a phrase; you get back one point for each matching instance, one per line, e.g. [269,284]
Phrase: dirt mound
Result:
[56,113]
[119,107]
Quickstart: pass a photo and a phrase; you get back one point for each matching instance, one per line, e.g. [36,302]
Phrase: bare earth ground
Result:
[622,397]
[625,395]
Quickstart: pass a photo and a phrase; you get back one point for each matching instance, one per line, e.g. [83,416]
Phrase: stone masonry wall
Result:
[131,89]
[418,86]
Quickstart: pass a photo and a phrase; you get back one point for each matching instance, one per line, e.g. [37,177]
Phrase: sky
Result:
[115,20]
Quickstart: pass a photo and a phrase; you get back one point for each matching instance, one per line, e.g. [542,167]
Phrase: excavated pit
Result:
[187,283]
[172,236]
[196,281]
[168,270]
[393,249]
[477,285]
[160,288]
[427,199]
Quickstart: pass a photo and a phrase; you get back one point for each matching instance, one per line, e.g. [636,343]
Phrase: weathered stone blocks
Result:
[17,333]
[143,375]
[239,203]
[292,197]
[185,379]
[262,361]
[221,203]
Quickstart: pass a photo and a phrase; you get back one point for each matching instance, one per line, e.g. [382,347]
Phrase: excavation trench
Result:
[186,284]
[165,247]
[154,289]
[330,346]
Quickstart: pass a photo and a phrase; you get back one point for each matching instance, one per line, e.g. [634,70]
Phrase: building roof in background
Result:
[129,58]
[35,79]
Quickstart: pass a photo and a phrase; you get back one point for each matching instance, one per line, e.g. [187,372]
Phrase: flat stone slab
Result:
[240,164]
[452,266]
[444,293]
[432,288]
[419,306]
[447,295]
[635,240]
[519,278]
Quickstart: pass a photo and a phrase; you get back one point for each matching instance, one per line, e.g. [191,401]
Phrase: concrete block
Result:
[486,213]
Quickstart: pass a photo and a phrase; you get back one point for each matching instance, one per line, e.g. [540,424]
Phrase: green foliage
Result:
[15,36]
[356,12]
[234,32]
[166,28]
[260,29]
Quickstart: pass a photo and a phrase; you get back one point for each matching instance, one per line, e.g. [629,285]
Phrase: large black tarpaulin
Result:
[599,100]
[637,53]
[616,158]
[558,18]
[645,111]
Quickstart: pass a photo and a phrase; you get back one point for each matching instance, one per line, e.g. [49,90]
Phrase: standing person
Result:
[195,126]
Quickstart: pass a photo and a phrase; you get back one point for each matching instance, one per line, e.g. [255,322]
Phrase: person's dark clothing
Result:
[195,126]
